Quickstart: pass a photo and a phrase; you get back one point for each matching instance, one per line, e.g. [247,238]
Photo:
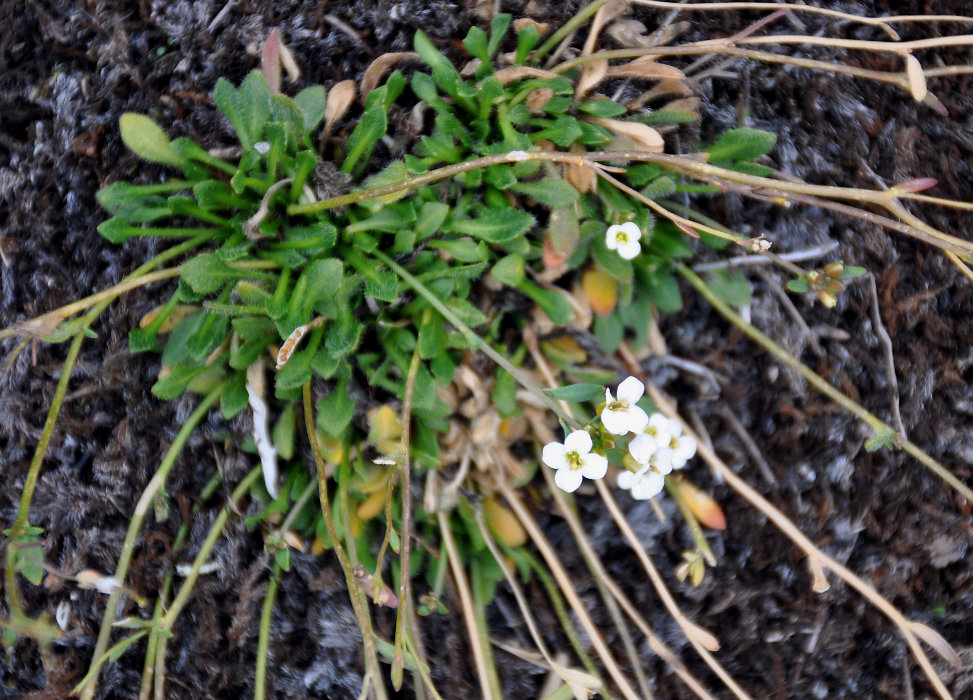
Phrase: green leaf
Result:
[552,192]
[667,117]
[431,218]
[509,270]
[463,249]
[312,102]
[147,140]
[324,277]
[609,331]
[603,108]
[798,285]
[344,334]
[663,290]
[563,132]
[498,29]
[466,312]
[497,226]
[476,43]
[743,143]
[731,287]
[551,302]
[254,99]
[444,74]
[116,229]
[234,397]
[526,40]
[660,188]
[296,372]
[852,271]
[335,412]
[505,393]
[174,384]
[617,266]
[371,127]
[206,273]
[577,393]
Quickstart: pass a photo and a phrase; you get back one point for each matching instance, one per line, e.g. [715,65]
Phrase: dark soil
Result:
[68,71]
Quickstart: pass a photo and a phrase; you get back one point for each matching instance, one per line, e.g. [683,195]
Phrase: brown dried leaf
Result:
[591,75]
[687,104]
[917,80]
[519,25]
[936,641]
[270,61]
[645,137]
[509,75]
[340,98]
[379,67]
[646,67]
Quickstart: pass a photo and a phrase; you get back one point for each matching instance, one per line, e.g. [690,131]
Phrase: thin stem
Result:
[466,601]
[566,28]
[793,533]
[567,588]
[405,594]
[358,602]
[135,525]
[672,486]
[875,423]
[701,640]
[263,637]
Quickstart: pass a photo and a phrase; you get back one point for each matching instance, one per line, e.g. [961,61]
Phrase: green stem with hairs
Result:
[135,525]
[819,383]
[263,638]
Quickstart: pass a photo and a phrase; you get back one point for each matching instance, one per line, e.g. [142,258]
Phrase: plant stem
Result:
[405,594]
[263,638]
[818,382]
[571,25]
[358,602]
[135,525]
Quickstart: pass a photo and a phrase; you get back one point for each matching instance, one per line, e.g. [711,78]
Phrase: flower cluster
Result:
[658,446]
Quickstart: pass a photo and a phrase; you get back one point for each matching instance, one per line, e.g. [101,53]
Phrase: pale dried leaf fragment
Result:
[520,24]
[91,579]
[644,136]
[819,582]
[592,74]
[917,79]
[261,434]
[379,67]
[936,641]
[509,75]
[340,98]
[646,67]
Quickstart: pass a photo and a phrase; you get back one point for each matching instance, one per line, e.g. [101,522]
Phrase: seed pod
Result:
[287,349]
[703,506]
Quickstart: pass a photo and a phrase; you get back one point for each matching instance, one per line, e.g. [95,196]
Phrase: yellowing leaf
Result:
[147,140]
[601,289]
[385,429]
[503,523]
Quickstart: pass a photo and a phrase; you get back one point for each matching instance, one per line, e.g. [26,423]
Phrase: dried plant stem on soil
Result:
[880,427]
[358,601]
[817,558]
[466,601]
[564,581]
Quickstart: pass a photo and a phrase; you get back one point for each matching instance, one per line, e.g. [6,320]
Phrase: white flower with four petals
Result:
[625,239]
[621,415]
[573,460]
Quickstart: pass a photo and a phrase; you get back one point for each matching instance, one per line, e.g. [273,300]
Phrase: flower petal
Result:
[637,419]
[627,479]
[648,486]
[594,466]
[631,390]
[615,422]
[579,441]
[662,460]
[568,479]
[685,450]
[554,455]
[611,239]
[632,230]
[629,249]
[642,447]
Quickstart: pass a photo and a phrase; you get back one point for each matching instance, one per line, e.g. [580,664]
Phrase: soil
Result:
[69,70]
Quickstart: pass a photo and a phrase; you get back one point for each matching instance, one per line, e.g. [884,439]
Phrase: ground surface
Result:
[69,71]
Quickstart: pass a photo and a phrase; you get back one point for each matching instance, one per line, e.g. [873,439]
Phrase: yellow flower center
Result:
[574,460]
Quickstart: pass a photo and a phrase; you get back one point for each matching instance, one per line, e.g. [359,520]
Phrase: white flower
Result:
[683,447]
[624,238]
[644,484]
[622,416]
[573,460]
[667,433]
[647,452]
